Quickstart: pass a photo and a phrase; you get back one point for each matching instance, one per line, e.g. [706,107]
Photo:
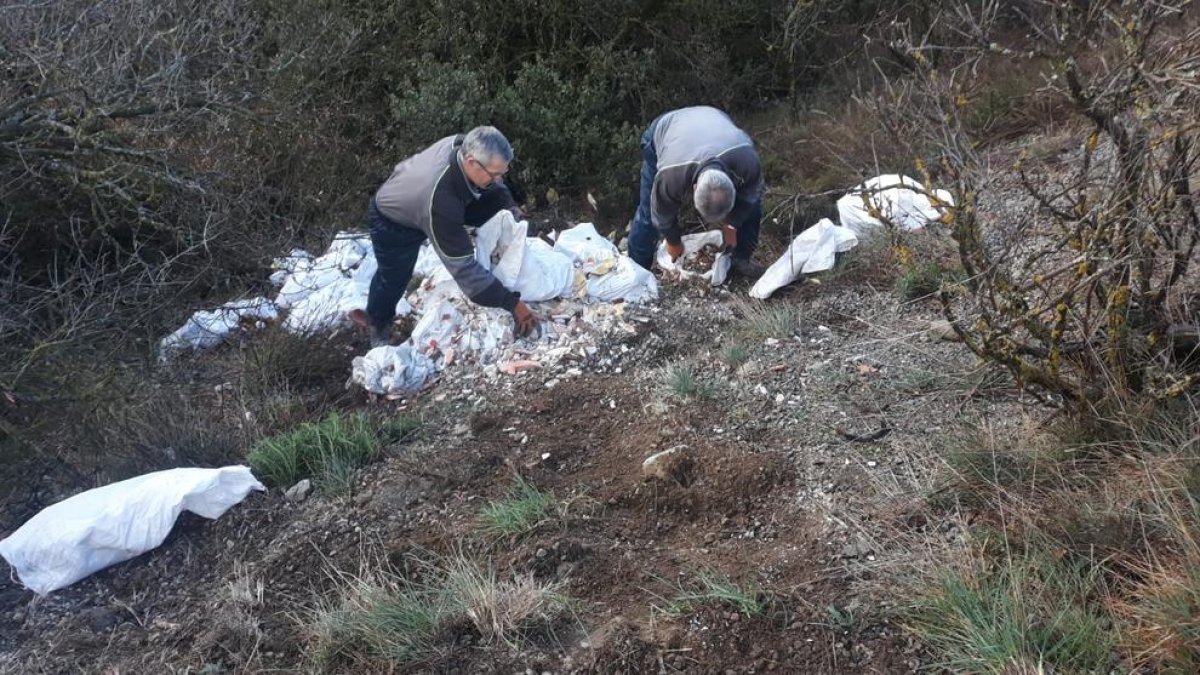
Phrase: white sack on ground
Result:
[524,264]
[813,250]
[591,253]
[627,281]
[607,275]
[81,535]
[308,276]
[899,199]
[392,370]
[209,328]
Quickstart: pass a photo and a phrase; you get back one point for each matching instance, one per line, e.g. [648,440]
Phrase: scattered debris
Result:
[208,329]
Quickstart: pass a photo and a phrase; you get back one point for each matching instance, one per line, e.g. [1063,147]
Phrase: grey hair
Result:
[487,144]
[714,195]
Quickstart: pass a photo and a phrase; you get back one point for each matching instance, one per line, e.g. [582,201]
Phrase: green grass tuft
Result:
[1018,615]
[330,451]
[711,588]
[523,509]
[683,381]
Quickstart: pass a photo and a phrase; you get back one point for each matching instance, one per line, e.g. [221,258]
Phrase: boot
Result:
[746,268]
[381,336]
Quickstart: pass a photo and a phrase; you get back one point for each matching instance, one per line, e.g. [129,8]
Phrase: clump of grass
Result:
[762,319]
[1028,613]
[683,381]
[923,279]
[380,619]
[401,428]
[734,354]
[523,509]
[711,588]
[329,450]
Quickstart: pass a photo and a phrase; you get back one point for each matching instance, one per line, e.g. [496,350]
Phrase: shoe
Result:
[746,268]
[381,337]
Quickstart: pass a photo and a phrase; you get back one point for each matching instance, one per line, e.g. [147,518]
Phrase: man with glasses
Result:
[436,194]
[698,150]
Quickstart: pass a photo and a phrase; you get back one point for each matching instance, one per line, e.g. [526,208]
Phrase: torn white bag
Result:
[81,535]
[392,370]
[523,264]
[813,250]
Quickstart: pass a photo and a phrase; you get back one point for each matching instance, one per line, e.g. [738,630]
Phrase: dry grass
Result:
[1084,549]
[380,619]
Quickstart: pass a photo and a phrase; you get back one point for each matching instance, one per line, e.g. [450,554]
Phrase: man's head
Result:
[714,195]
[485,156]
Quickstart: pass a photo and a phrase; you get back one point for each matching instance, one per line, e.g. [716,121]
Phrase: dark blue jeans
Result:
[397,247]
[644,237]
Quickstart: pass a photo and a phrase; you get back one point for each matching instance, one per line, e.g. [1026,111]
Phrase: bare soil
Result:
[769,495]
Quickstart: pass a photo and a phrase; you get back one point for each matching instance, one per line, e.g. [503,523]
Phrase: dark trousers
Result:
[644,237]
[397,247]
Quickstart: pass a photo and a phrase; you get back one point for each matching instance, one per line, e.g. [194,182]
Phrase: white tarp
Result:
[67,541]
[897,199]
[814,250]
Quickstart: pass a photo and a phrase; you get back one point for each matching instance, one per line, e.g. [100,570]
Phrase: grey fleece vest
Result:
[688,141]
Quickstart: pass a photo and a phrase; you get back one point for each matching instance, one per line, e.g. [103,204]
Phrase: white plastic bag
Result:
[524,264]
[899,199]
[209,328]
[628,281]
[500,247]
[81,535]
[692,243]
[813,250]
[589,252]
[720,268]
[545,273]
[392,370]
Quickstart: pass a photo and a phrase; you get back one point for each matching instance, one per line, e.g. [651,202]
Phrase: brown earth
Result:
[768,495]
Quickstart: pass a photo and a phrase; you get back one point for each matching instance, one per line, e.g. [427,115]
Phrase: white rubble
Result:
[572,283]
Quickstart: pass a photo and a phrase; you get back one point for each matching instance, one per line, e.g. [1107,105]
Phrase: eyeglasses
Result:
[494,176]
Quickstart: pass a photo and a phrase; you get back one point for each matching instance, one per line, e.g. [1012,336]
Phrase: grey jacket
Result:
[430,192]
[688,141]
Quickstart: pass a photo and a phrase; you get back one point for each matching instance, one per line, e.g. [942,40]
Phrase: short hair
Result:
[487,144]
[714,195]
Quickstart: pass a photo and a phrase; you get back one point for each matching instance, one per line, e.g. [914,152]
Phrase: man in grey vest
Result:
[436,194]
[700,151]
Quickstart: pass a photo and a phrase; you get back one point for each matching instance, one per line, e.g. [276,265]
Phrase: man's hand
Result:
[675,250]
[729,234]
[524,319]
[517,213]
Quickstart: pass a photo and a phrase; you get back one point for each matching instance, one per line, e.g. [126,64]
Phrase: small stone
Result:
[668,465]
[942,330]
[100,619]
[299,491]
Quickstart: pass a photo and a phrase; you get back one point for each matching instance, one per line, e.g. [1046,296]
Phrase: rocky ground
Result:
[807,452]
